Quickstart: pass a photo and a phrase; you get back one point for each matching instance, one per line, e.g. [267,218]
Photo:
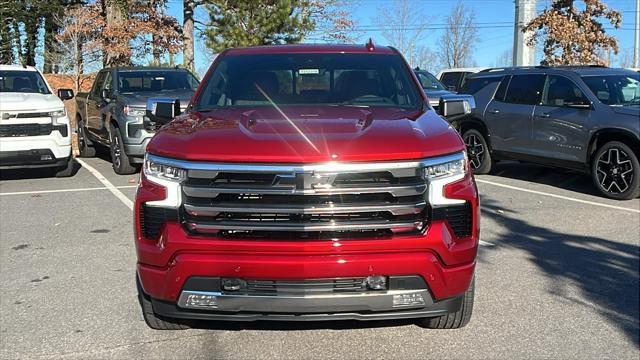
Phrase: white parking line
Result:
[558,196]
[114,190]
[63,190]
[484,243]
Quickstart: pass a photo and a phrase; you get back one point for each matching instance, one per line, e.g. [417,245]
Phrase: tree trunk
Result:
[115,16]
[50,30]
[187,28]
[31,31]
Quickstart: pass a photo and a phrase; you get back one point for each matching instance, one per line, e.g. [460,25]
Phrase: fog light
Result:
[198,300]
[232,284]
[376,282]
[408,300]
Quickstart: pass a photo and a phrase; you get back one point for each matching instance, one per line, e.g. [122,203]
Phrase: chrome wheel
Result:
[614,171]
[116,150]
[475,150]
[81,136]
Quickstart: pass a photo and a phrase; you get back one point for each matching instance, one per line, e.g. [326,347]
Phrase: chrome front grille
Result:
[299,202]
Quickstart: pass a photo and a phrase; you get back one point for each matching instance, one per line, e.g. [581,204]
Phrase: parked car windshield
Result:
[615,90]
[155,80]
[428,81]
[22,82]
[364,80]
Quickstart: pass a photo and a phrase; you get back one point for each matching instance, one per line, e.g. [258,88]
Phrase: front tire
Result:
[457,319]
[616,171]
[154,321]
[119,159]
[85,147]
[478,151]
[67,170]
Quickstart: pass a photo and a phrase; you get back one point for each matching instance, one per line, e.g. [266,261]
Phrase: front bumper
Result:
[439,308]
[31,159]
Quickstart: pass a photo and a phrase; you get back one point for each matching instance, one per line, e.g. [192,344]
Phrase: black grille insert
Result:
[459,217]
[17,130]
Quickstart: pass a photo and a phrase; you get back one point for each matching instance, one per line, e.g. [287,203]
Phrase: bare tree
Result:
[402,27]
[332,19]
[458,39]
[77,46]
[426,59]
[625,58]
[505,59]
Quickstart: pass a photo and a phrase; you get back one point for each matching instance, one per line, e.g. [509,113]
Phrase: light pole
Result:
[636,44]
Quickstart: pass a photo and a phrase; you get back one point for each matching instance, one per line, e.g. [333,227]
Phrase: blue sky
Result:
[495,34]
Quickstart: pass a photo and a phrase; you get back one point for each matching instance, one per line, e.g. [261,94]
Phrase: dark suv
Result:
[584,118]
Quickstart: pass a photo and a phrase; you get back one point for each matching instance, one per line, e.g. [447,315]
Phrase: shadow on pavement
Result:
[605,272]
[565,179]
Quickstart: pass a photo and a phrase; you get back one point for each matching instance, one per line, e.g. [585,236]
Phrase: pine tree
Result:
[573,36]
[236,23]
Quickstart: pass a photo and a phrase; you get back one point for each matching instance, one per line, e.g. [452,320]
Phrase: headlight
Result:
[55,115]
[163,171]
[440,174]
[452,168]
[133,111]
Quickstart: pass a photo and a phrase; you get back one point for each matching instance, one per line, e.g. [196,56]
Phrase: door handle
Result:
[494,111]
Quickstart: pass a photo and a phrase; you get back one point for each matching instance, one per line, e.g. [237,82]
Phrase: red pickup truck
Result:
[307,182]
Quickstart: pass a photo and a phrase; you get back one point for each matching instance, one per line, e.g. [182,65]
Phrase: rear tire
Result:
[457,319]
[67,170]
[478,151]
[615,171]
[84,144]
[119,159]
[154,321]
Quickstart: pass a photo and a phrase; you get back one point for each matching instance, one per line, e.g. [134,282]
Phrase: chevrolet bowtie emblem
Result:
[304,180]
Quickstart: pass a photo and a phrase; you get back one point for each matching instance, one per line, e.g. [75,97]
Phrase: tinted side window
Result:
[561,91]
[99,83]
[473,85]
[451,79]
[525,89]
[502,89]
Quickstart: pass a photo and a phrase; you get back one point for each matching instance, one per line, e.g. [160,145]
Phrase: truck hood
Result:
[29,102]
[306,135]
[140,99]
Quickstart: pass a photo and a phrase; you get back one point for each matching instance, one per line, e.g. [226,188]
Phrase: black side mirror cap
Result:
[456,106]
[65,94]
[106,94]
[162,110]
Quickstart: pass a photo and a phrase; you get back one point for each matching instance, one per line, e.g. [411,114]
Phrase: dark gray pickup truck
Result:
[113,113]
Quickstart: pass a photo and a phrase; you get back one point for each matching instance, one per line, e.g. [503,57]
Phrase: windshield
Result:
[364,80]
[141,81]
[615,90]
[428,81]
[22,82]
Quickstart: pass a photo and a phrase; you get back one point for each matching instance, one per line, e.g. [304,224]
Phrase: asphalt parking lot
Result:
[557,277]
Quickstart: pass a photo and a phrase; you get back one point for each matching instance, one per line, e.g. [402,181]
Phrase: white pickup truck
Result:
[34,125]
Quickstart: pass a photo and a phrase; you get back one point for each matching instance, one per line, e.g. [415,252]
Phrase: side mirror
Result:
[162,110]
[453,107]
[451,88]
[106,95]
[65,94]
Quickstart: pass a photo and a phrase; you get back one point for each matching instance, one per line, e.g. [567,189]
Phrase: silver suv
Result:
[584,118]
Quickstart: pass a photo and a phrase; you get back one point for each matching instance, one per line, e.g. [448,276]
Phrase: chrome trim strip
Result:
[393,208]
[369,301]
[211,191]
[208,227]
[331,167]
